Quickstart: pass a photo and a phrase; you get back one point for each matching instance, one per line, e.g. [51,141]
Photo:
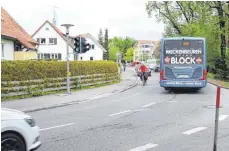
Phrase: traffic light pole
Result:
[67,26]
[80,45]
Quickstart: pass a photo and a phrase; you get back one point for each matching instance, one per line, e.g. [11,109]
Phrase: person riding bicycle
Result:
[143,69]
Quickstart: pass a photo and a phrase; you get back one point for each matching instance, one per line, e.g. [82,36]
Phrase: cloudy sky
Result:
[121,17]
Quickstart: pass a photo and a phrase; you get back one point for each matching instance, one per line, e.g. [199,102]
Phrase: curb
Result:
[77,101]
[218,85]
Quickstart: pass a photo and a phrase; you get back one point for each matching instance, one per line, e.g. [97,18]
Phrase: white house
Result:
[52,43]
[96,51]
[16,43]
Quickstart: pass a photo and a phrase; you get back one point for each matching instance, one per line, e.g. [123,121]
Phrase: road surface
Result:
[142,118]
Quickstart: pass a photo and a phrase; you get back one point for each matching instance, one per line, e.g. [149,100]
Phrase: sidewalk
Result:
[128,81]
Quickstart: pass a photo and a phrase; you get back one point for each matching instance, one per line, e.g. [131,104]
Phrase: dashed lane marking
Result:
[120,113]
[145,147]
[189,132]
[58,126]
[148,105]
[223,117]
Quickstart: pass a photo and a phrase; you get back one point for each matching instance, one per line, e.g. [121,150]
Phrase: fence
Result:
[41,86]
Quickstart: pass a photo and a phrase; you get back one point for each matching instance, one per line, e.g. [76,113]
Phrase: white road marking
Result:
[58,126]
[189,132]
[172,101]
[147,105]
[145,147]
[223,117]
[120,113]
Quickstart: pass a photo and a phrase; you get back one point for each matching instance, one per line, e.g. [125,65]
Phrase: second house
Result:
[53,45]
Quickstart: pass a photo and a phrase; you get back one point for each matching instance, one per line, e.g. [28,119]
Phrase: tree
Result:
[129,54]
[100,37]
[105,45]
[122,44]
[112,53]
[207,19]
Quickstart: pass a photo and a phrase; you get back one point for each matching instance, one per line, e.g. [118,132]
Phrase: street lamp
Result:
[67,26]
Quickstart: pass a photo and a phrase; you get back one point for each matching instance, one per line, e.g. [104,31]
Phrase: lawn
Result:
[218,82]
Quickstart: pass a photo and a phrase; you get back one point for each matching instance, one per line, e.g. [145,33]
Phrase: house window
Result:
[38,40]
[2,50]
[92,46]
[59,56]
[53,41]
[43,40]
[91,58]
[38,56]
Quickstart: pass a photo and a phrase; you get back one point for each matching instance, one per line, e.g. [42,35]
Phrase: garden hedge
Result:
[31,69]
[34,78]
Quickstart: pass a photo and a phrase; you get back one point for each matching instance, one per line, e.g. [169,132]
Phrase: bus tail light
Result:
[204,75]
[162,75]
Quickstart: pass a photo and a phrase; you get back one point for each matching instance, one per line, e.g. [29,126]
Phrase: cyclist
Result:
[143,69]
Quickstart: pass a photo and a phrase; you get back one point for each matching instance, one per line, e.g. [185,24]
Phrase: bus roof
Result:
[185,38]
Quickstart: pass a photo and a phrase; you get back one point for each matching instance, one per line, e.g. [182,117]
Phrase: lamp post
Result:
[67,26]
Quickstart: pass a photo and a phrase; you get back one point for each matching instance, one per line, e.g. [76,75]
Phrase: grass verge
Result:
[57,91]
[218,82]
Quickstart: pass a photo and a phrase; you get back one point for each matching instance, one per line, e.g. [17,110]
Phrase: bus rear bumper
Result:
[183,84]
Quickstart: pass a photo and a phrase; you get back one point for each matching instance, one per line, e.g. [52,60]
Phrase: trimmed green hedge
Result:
[35,78]
[32,69]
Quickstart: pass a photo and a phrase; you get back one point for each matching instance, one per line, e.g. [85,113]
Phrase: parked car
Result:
[156,68]
[19,131]
[139,73]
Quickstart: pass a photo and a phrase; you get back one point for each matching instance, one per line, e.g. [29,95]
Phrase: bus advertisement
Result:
[183,63]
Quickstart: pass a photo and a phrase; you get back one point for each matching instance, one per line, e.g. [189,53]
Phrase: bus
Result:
[183,63]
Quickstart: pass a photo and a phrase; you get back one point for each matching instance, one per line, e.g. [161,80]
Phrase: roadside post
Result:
[67,26]
[216,118]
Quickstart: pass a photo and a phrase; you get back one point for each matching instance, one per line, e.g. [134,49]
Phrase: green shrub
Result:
[32,77]
[31,70]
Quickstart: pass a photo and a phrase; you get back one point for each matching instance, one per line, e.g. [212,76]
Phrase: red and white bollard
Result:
[216,118]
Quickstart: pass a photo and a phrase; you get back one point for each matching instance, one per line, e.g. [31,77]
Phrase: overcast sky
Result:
[121,17]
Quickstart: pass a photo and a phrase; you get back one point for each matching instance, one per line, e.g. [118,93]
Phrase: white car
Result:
[18,131]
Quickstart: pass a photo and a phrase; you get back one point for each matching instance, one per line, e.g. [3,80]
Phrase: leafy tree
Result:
[129,54]
[209,19]
[122,44]
[112,53]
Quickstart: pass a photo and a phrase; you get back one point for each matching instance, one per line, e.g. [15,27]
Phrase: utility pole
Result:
[67,26]
[80,45]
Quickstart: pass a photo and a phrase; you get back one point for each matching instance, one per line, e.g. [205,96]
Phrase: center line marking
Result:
[56,126]
[189,132]
[223,117]
[120,113]
[145,147]
[147,105]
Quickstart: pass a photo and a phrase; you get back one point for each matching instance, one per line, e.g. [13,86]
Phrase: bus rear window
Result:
[183,52]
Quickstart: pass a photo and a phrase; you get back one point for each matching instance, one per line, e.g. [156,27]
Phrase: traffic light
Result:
[77,44]
[86,47]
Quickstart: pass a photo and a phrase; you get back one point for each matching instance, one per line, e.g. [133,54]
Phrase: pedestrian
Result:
[124,66]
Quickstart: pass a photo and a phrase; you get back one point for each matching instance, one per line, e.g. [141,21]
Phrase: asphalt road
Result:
[142,118]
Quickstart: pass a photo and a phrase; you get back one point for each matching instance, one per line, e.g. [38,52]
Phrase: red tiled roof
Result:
[10,28]
[145,41]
